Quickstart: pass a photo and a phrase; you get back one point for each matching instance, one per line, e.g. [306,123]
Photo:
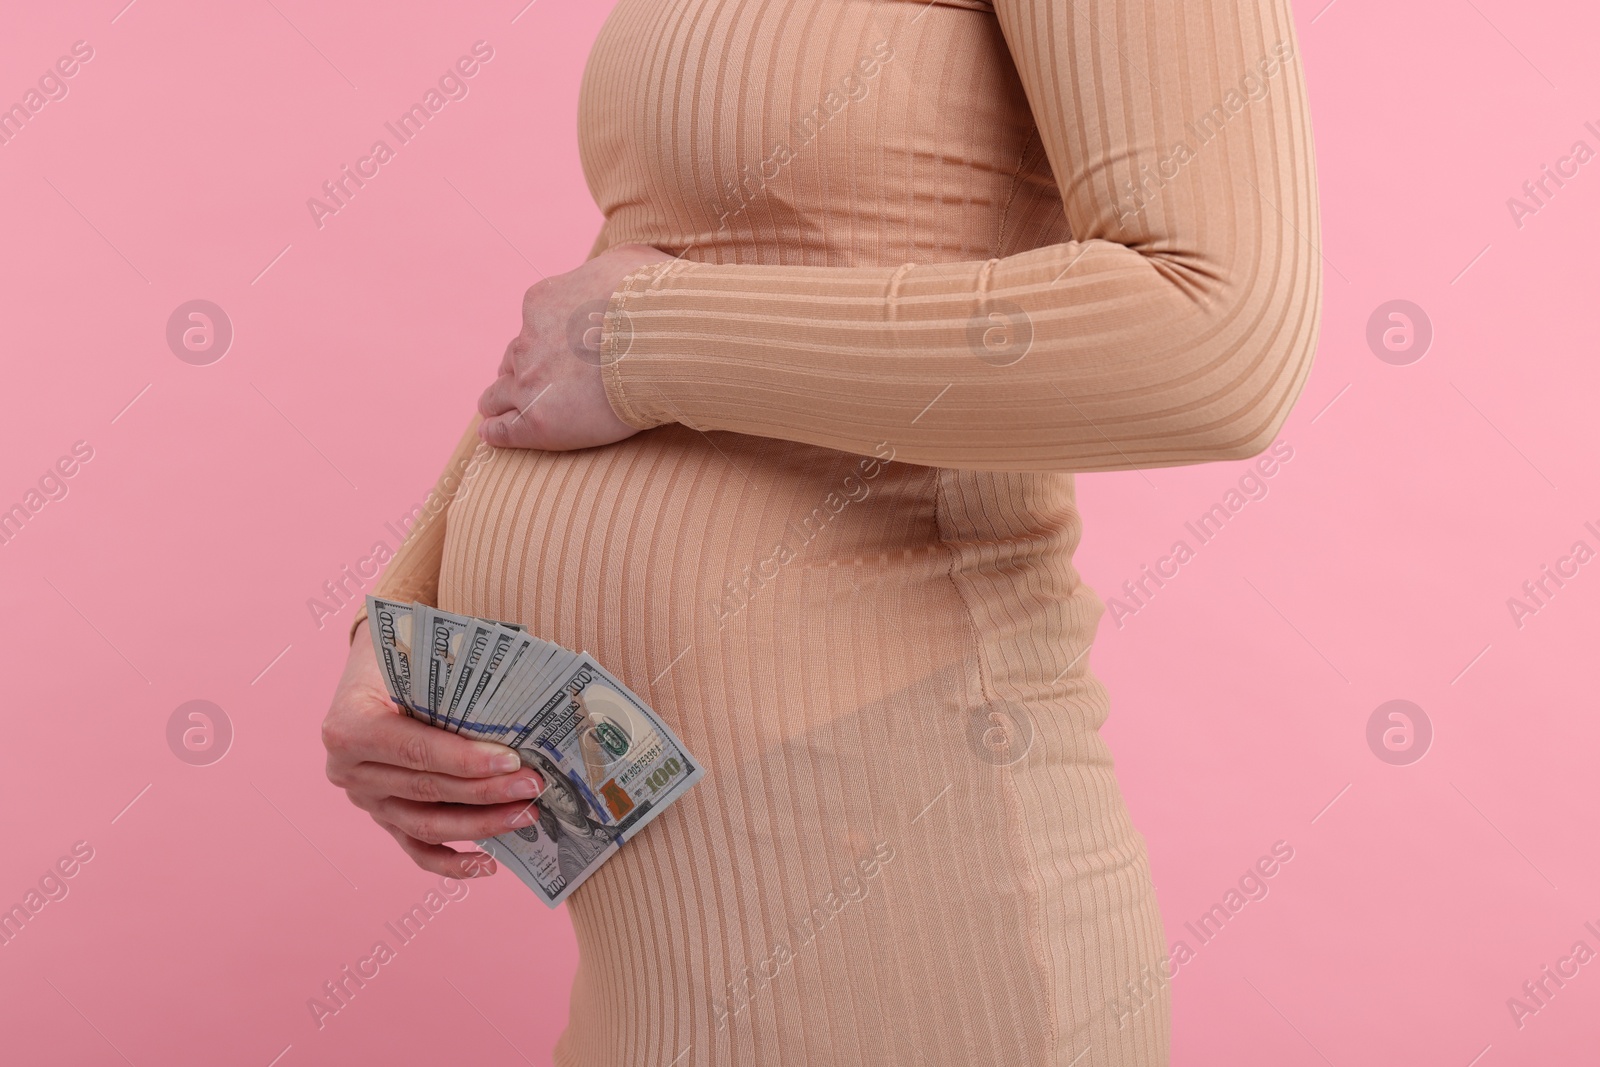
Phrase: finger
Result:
[438,823]
[510,430]
[385,737]
[441,859]
[499,397]
[384,780]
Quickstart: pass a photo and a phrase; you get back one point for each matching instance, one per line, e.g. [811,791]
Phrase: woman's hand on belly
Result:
[550,394]
[424,785]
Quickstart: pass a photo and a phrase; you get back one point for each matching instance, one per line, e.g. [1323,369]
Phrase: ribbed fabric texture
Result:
[933,259]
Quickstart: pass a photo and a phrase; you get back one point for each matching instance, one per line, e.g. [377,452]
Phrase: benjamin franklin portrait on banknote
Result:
[565,820]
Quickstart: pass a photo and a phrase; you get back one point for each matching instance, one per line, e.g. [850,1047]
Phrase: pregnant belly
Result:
[674,538]
[714,572]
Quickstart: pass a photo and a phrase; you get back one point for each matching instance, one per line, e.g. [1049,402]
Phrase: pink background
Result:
[1378,566]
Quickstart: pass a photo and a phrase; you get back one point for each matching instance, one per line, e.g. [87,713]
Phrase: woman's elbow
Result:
[1267,377]
[1242,372]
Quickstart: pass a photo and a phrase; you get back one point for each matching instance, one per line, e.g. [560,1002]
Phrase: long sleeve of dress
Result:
[1176,326]
[413,574]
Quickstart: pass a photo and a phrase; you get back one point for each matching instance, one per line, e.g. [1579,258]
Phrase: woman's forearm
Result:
[1178,327]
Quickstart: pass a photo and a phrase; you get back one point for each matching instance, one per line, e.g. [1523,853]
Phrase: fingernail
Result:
[505,763]
[525,787]
[521,817]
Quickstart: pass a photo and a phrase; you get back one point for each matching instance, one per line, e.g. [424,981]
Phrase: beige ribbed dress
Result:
[934,259]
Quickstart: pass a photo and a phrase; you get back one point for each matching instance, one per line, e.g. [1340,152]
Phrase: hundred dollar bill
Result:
[391,629]
[505,650]
[478,641]
[610,766]
[440,638]
[504,711]
[474,648]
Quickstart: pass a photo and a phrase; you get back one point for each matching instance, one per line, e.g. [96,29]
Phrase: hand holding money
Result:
[609,765]
[424,786]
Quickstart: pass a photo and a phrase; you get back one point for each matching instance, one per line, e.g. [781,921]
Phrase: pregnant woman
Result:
[792,454]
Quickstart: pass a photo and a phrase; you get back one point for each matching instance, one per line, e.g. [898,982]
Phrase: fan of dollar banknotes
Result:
[609,763]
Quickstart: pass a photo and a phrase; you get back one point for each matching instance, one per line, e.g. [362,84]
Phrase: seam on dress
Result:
[1011,193]
[1030,887]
